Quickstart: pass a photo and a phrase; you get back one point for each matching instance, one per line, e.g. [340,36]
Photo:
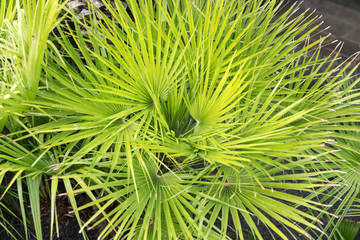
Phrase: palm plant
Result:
[347,230]
[176,117]
[25,26]
[345,144]
[7,11]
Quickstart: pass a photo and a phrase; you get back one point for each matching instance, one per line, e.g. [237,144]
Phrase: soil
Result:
[68,225]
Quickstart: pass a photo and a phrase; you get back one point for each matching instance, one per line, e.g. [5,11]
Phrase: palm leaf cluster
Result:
[176,118]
